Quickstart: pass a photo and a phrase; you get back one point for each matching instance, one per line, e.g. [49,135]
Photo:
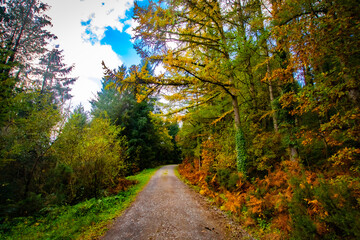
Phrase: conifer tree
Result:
[51,76]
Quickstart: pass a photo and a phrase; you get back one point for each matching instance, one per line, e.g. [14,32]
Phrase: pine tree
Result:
[52,76]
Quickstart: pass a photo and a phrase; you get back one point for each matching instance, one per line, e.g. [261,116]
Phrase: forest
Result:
[51,155]
[259,101]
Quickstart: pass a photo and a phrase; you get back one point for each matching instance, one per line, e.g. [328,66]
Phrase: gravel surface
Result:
[168,209]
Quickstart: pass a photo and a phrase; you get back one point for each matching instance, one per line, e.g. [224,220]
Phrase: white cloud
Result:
[67,16]
[133,24]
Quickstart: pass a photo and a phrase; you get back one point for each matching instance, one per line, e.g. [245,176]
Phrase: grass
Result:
[86,220]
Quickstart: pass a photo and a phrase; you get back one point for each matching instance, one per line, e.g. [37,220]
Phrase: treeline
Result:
[50,156]
[268,94]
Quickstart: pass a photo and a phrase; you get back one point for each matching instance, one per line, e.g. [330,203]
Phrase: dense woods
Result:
[51,156]
[268,96]
[259,99]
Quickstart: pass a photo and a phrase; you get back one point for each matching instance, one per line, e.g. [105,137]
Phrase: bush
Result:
[91,156]
[227,178]
[325,208]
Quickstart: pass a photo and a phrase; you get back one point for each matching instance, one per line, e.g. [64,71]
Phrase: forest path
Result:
[168,209]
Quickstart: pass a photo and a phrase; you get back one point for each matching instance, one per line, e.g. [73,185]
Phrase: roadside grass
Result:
[85,220]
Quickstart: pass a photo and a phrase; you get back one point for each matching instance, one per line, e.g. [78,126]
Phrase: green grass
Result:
[86,220]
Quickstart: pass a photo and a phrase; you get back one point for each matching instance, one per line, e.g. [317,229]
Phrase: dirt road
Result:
[168,209]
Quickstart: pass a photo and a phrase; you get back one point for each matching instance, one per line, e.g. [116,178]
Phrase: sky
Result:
[89,32]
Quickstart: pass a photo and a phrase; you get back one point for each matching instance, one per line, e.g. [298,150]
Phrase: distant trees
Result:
[149,142]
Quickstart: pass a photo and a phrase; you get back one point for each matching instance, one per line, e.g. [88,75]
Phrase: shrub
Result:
[324,208]
[227,178]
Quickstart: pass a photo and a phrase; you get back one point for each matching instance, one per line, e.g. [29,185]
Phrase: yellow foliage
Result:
[234,202]
[345,157]
[281,221]
[255,205]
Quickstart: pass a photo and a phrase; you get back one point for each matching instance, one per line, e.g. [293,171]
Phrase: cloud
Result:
[132,25]
[80,25]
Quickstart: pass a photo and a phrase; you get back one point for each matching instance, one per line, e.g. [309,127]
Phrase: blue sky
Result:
[89,32]
[121,44]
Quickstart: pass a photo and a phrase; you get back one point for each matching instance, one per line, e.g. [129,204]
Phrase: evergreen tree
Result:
[52,76]
[149,143]
[22,29]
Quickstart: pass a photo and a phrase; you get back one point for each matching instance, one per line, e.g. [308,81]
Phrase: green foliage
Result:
[93,153]
[304,227]
[241,152]
[227,178]
[264,151]
[148,140]
[25,143]
[339,202]
[328,209]
[84,220]
[174,155]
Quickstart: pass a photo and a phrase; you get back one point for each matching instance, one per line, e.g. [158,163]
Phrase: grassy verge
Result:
[86,220]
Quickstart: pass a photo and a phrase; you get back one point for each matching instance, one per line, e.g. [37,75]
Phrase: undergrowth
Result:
[290,202]
[86,220]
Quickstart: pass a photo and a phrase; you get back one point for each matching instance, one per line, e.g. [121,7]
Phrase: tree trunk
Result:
[239,139]
[293,153]
[271,94]
[268,71]
[17,42]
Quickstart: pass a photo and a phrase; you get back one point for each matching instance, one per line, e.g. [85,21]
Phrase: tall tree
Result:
[149,143]
[22,37]
[51,75]
[22,29]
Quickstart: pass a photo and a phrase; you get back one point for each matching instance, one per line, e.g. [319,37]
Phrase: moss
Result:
[241,152]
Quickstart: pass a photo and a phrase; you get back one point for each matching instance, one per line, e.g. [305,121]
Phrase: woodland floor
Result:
[168,209]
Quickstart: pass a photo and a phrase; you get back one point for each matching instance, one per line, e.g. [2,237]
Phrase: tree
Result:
[52,76]
[22,29]
[22,37]
[149,143]
[93,153]
[25,143]
[7,85]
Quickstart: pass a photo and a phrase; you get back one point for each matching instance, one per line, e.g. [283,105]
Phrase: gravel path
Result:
[168,209]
